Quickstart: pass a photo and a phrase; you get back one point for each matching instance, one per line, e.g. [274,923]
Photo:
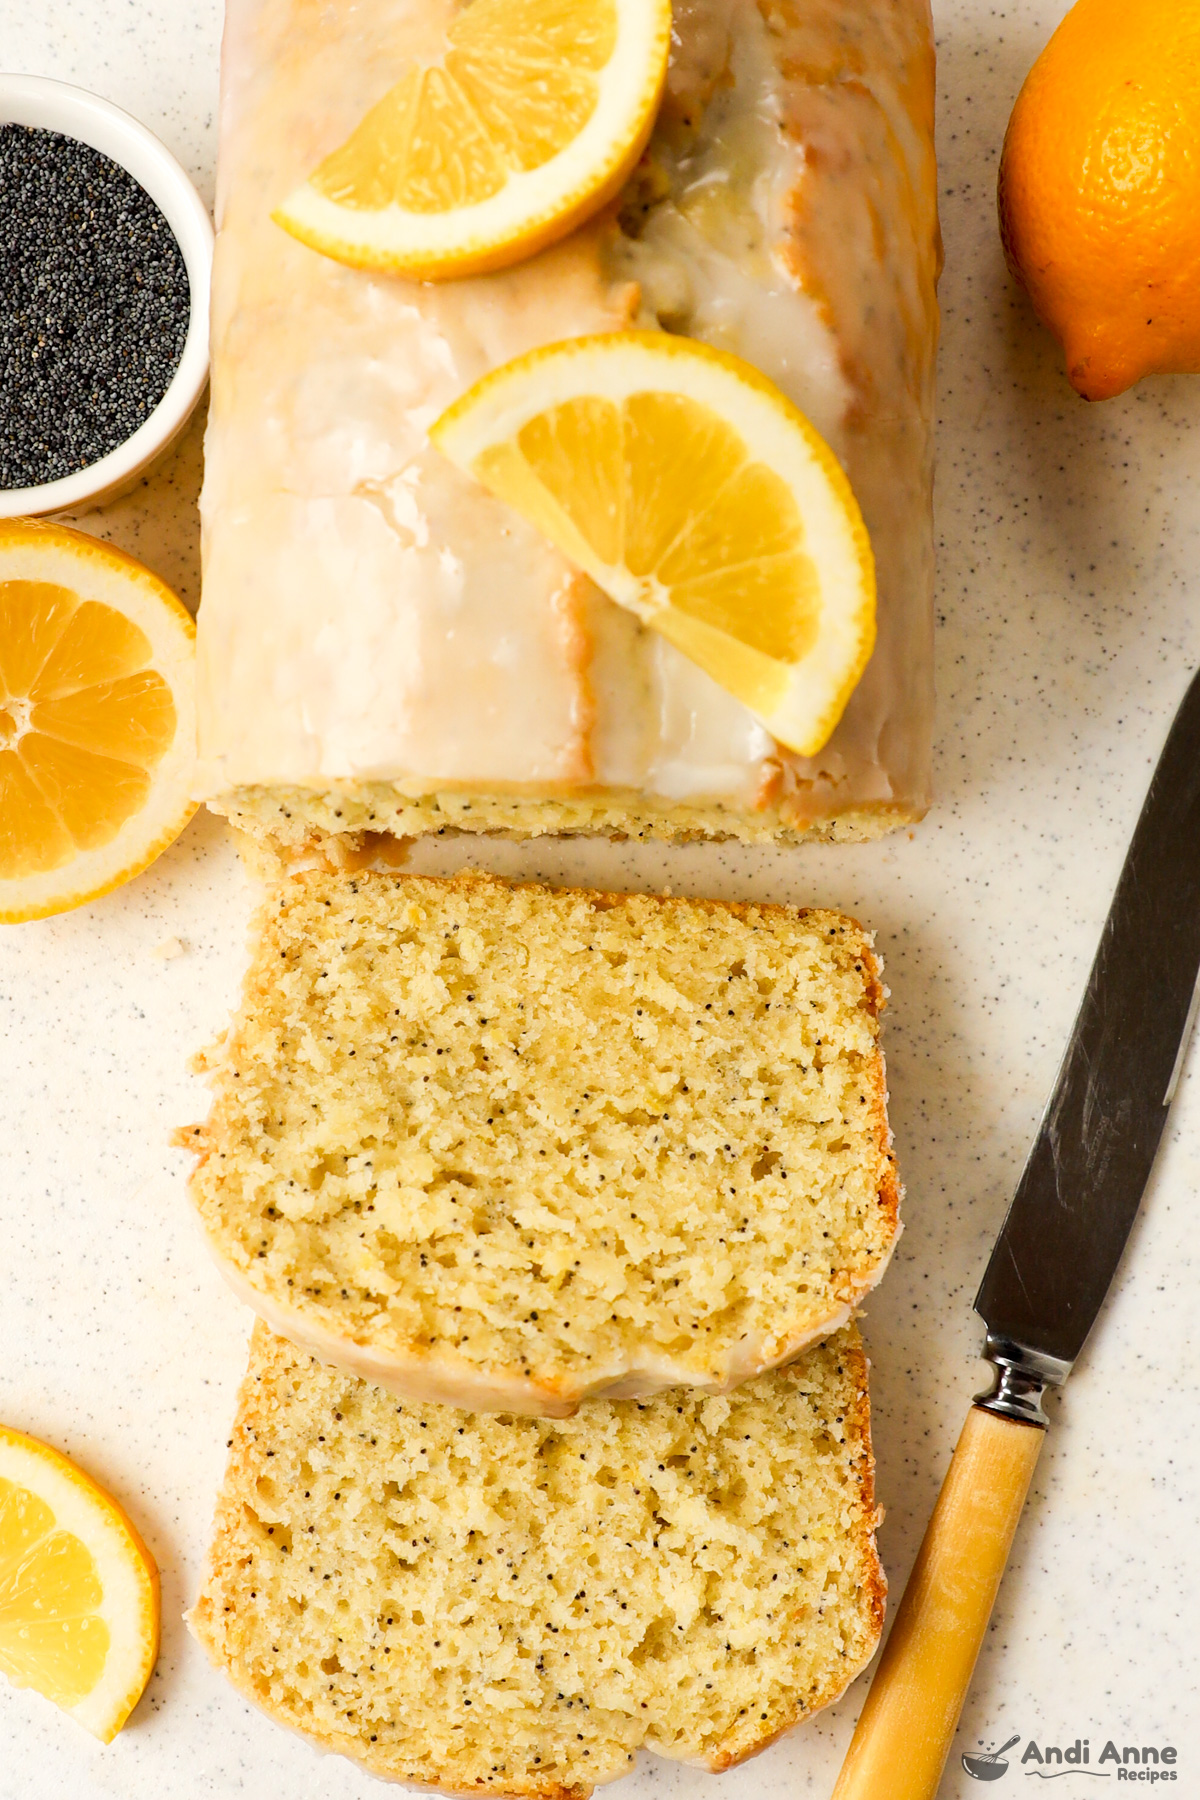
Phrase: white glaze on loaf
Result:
[378,635]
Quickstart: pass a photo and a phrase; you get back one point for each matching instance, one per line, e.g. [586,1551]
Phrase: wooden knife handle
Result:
[900,1746]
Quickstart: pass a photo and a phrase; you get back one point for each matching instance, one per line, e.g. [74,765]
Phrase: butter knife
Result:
[1052,1265]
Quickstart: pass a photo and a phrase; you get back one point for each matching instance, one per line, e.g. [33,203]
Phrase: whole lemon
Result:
[1099,190]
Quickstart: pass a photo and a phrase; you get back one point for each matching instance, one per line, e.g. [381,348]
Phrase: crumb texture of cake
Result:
[510,1146]
[497,1605]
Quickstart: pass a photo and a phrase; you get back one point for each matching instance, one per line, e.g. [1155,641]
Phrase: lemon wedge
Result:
[697,496]
[79,1597]
[97,718]
[530,122]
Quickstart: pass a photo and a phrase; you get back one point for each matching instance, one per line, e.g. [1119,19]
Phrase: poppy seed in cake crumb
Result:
[94,306]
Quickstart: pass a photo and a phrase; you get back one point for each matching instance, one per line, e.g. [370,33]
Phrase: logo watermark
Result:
[989,1765]
[1144,1763]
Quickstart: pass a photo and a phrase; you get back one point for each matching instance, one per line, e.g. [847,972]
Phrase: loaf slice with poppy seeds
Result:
[491,1604]
[509,1147]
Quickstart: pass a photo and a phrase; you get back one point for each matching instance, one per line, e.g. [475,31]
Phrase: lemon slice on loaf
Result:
[97,718]
[79,1595]
[697,496]
[531,120]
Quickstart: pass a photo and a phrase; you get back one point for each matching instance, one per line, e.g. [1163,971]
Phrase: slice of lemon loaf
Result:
[494,1604]
[510,1147]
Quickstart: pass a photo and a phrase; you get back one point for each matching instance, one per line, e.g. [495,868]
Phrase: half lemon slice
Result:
[79,1596]
[97,718]
[531,121]
[689,489]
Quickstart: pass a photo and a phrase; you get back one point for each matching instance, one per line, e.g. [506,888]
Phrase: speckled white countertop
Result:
[1069,619]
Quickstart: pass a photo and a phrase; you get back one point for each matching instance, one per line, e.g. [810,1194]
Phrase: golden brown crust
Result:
[890,1191]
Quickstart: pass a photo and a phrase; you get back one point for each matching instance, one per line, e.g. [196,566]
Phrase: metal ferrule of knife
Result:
[1020,1379]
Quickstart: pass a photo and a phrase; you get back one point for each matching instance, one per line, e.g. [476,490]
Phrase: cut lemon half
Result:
[79,1598]
[689,489]
[532,119]
[97,718]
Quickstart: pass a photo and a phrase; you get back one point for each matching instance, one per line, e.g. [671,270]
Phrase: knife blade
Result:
[1077,1199]
[1052,1265]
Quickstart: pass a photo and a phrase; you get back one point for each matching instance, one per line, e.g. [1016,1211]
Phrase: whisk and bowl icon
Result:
[987,1766]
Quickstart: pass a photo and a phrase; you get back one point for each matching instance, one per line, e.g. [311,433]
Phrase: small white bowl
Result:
[54,106]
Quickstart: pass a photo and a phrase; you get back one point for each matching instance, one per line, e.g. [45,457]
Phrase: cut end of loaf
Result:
[351,823]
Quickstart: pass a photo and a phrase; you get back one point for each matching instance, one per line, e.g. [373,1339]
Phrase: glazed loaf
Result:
[385,648]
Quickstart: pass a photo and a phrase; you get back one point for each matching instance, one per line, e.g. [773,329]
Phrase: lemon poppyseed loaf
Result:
[385,647]
[512,1147]
[495,1604]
